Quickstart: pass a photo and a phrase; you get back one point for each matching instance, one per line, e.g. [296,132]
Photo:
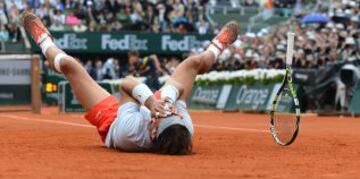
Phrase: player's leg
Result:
[185,74]
[86,90]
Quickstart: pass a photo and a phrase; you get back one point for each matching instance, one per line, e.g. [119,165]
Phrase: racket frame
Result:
[287,80]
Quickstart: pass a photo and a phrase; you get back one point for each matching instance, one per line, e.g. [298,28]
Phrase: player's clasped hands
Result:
[157,107]
[161,108]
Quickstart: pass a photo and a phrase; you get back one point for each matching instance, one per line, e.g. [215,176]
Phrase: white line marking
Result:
[90,126]
[231,128]
[47,121]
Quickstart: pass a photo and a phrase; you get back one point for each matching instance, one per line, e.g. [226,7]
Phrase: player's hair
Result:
[133,53]
[174,140]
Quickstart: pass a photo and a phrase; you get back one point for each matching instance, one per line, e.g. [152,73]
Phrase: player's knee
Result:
[199,63]
[175,140]
[194,62]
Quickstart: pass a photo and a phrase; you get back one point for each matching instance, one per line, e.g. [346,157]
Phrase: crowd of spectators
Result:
[338,39]
[9,30]
[179,16]
[316,44]
[149,66]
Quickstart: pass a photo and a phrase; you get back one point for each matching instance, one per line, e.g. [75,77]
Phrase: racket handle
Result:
[290,48]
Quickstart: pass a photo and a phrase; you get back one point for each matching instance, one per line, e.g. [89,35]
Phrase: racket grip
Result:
[290,48]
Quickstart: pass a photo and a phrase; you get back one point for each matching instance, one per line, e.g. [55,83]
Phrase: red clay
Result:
[225,146]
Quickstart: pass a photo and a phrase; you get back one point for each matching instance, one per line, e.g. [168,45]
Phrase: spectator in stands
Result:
[57,26]
[284,3]
[3,18]
[89,66]
[58,17]
[202,25]
[97,72]
[350,51]
[71,19]
[42,11]
[250,3]
[148,67]
[14,32]
[111,69]
[4,34]
[80,27]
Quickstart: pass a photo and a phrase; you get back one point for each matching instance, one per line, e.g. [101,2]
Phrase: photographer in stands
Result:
[148,67]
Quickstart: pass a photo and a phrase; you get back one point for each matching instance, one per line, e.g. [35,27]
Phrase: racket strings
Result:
[285,126]
[285,117]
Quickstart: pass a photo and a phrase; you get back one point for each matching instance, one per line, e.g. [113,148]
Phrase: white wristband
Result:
[141,93]
[169,92]
[57,61]
[46,44]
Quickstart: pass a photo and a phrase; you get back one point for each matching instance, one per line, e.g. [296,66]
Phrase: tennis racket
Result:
[285,110]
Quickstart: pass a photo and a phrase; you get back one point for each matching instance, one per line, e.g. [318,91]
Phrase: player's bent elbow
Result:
[129,83]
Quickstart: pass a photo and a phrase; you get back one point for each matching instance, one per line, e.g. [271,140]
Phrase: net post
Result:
[35,84]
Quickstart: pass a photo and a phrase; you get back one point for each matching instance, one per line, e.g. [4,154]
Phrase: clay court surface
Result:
[226,145]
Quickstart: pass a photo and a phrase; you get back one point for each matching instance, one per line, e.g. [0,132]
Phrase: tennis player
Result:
[140,120]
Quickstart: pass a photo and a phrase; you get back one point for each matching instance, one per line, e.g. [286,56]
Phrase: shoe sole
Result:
[234,28]
[28,18]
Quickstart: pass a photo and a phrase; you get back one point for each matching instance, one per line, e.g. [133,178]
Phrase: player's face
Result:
[133,59]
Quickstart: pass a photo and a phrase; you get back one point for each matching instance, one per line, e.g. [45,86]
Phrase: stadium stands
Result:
[261,47]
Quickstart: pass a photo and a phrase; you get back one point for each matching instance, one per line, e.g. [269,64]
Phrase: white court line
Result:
[231,128]
[47,121]
[90,126]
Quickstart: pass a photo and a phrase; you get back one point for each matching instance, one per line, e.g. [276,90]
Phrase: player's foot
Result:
[35,27]
[227,35]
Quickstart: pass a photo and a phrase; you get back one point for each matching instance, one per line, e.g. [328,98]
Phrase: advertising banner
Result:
[355,101]
[254,97]
[145,42]
[205,97]
[68,101]
[15,81]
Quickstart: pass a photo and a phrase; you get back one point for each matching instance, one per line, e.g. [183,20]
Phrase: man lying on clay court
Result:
[141,120]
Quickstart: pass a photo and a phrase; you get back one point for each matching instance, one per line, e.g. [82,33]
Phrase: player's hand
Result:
[156,107]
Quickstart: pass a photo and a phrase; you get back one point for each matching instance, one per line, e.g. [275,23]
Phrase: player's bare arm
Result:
[128,91]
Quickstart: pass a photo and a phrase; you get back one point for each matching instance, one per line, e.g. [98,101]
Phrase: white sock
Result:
[45,42]
[57,61]
[218,44]
[213,49]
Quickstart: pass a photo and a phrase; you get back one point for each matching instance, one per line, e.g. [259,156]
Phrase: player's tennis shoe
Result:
[35,27]
[227,35]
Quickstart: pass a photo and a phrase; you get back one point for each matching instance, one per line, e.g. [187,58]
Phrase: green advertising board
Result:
[209,96]
[355,101]
[254,97]
[144,42]
[258,97]
[68,101]
[15,94]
